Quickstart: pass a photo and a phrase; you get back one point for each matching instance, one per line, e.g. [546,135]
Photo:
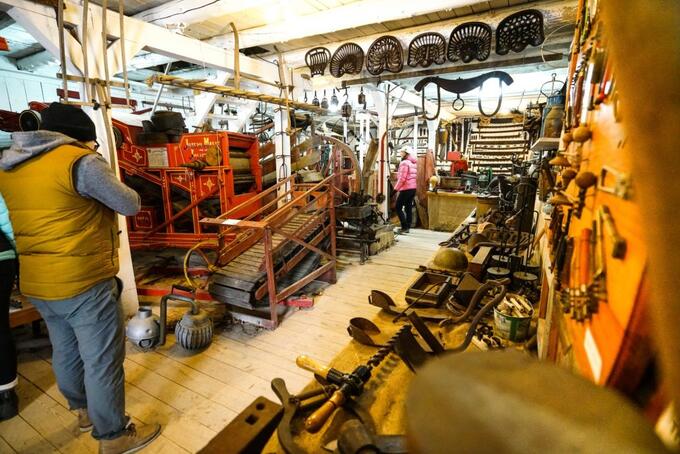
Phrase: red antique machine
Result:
[458,164]
[180,177]
[202,175]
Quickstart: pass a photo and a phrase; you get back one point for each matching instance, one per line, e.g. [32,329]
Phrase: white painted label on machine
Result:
[158,156]
[231,221]
[593,355]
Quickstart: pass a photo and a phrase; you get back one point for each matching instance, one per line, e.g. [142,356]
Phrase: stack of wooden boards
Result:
[242,281]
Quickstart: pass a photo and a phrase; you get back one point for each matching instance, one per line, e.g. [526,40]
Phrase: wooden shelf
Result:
[546,143]
[27,314]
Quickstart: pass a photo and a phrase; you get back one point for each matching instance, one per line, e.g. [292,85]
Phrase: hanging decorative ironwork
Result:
[469,41]
[458,86]
[427,48]
[347,59]
[317,59]
[385,54]
[519,30]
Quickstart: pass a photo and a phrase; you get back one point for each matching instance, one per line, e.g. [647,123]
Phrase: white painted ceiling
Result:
[208,19]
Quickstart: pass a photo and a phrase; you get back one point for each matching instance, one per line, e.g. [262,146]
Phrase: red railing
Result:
[317,200]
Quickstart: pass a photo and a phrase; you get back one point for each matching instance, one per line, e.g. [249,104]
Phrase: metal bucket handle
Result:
[164,307]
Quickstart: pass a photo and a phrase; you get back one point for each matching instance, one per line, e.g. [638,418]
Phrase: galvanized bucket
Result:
[515,329]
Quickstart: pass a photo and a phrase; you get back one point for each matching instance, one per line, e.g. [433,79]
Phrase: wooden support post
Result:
[271,277]
[237,68]
[364,137]
[102,121]
[432,127]
[282,155]
[331,208]
[416,134]
[381,102]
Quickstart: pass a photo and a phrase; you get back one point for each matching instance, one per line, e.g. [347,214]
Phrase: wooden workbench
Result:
[447,210]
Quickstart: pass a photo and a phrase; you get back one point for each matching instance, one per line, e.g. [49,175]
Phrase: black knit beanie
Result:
[68,120]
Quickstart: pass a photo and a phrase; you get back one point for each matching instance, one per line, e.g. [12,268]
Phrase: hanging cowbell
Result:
[315,101]
[362,98]
[324,101]
[334,101]
[346,110]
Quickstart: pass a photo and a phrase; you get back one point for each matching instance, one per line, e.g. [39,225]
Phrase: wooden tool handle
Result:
[584,257]
[618,242]
[307,363]
[564,273]
[316,420]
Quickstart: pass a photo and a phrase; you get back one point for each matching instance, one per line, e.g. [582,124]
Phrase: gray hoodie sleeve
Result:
[95,179]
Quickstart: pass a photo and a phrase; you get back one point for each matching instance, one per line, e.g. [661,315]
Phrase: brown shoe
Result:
[84,423]
[131,440]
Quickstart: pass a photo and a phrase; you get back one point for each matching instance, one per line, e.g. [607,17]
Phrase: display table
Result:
[446,210]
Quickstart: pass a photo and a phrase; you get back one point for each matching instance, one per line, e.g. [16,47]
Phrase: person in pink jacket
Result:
[406,185]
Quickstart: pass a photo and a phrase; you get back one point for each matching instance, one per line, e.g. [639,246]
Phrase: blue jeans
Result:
[88,349]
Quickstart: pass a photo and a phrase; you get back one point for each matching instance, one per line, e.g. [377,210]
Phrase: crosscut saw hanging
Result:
[458,86]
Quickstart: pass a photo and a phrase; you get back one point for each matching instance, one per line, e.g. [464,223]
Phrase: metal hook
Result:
[498,106]
[439,104]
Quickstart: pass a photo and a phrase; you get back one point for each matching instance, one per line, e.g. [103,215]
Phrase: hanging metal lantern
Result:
[324,101]
[346,110]
[315,101]
[334,101]
[362,98]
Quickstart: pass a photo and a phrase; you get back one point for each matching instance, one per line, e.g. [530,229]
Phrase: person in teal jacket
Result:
[9,403]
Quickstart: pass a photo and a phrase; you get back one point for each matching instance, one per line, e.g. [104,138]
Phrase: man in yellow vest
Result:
[62,197]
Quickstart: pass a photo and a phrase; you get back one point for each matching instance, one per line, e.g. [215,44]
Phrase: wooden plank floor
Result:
[195,395]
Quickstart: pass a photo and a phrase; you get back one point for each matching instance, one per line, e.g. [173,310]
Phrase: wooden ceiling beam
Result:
[470,67]
[138,35]
[344,17]
[194,11]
